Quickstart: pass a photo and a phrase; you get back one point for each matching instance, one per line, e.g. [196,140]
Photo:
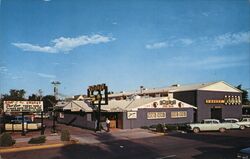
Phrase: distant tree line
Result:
[245,99]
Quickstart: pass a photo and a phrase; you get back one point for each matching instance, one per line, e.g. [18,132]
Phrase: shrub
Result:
[6,140]
[153,126]
[172,127]
[37,140]
[160,128]
[65,136]
[182,127]
[144,127]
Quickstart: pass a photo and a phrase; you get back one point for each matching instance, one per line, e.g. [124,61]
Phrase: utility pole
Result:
[55,84]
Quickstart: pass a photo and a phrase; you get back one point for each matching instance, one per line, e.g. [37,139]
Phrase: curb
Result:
[34,147]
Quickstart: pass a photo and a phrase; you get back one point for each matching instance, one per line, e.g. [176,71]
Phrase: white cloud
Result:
[216,42]
[157,45]
[170,43]
[56,63]
[232,39]
[206,14]
[63,44]
[3,69]
[46,75]
[186,42]
[210,62]
[46,0]
[37,48]
[16,77]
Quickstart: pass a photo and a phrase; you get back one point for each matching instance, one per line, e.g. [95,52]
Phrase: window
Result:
[89,117]
[156,115]
[234,121]
[244,119]
[179,114]
[208,122]
[215,122]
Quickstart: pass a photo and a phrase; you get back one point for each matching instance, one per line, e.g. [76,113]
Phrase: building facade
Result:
[217,100]
[170,105]
[127,114]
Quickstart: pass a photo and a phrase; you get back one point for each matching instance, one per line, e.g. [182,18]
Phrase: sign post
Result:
[23,132]
[99,96]
[23,107]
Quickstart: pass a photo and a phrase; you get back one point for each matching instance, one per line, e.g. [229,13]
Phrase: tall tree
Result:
[48,102]
[244,94]
[34,97]
[15,94]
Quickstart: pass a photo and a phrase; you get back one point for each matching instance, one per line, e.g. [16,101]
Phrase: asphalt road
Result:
[212,145]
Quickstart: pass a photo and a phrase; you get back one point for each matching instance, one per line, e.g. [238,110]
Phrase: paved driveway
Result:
[141,144]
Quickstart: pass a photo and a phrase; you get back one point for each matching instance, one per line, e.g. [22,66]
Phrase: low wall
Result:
[77,120]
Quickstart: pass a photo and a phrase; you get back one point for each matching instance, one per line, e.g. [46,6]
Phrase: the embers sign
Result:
[228,100]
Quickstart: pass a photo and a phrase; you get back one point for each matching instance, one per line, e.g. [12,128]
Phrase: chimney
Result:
[141,89]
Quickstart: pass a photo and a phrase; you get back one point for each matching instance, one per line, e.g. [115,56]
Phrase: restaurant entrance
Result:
[216,113]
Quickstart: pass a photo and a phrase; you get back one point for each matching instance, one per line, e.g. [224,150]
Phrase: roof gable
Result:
[220,86]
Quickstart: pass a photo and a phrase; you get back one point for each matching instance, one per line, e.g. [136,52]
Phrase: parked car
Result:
[208,125]
[244,153]
[244,123]
[38,115]
[232,122]
[18,120]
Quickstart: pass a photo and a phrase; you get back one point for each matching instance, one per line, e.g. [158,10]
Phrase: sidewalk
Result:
[113,135]
[78,135]
[26,139]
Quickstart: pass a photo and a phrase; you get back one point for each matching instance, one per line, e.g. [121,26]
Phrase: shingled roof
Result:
[177,88]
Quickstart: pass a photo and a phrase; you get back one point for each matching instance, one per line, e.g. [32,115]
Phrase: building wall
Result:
[187,97]
[77,119]
[204,110]
[142,120]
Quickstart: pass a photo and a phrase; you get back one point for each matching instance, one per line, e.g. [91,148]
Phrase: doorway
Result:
[216,113]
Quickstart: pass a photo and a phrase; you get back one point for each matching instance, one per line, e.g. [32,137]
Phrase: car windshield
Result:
[226,121]
[19,119]
[244,119]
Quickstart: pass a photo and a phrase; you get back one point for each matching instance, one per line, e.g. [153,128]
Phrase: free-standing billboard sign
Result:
[23,106]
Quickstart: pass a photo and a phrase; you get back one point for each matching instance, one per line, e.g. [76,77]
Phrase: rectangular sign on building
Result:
[156,115]
[23,106]
[131,115]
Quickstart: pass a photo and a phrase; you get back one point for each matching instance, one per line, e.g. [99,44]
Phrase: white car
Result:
[208,125]
[244,123]
[39,116]
[232,122]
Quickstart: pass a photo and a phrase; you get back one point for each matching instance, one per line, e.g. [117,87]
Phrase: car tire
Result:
[242,127]
[222,130]
[196,130]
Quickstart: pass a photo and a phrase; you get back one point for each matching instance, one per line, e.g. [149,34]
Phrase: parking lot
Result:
[139,143]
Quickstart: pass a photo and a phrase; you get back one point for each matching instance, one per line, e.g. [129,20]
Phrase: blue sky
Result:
[123,43]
